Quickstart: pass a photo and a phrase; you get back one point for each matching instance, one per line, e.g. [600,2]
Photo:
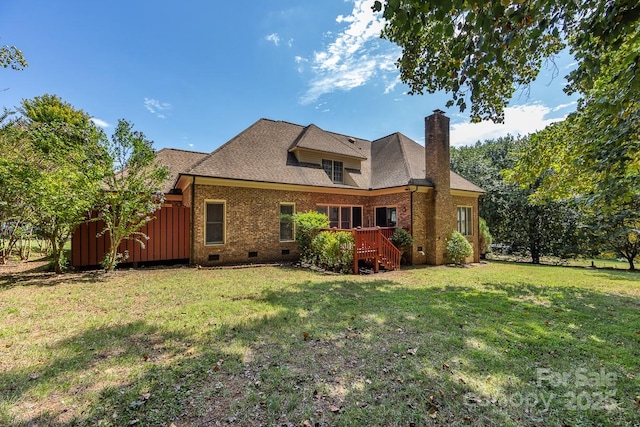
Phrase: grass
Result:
[500,344]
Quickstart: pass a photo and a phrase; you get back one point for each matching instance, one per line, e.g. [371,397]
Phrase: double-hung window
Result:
[214,222]
[286,222]
[333,169]
[464,221]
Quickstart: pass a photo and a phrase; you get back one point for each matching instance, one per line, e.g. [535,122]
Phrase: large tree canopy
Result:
[480,52]
[61,162]
[537,230]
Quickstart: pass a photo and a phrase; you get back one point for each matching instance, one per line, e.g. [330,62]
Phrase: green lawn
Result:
[499,344]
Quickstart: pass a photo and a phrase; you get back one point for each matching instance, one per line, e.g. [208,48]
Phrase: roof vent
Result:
[351,140]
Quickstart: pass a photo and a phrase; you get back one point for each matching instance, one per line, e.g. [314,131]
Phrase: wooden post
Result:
[354,232]
[376,261]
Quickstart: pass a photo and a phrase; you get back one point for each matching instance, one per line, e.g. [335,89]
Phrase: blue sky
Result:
[194,74]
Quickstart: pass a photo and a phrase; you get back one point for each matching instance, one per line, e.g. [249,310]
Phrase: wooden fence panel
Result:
[168,240]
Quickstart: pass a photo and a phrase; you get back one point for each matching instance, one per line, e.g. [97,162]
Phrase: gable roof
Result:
[262,153]
[315,139]
[178,161]
[265,152]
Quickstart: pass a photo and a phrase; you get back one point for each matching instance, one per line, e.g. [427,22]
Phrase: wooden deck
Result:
[372,245]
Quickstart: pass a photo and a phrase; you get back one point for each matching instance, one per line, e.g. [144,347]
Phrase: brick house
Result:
[237,194]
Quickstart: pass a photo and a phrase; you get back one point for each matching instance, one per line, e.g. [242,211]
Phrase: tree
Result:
[484,50]
[51,109]
[617,231]
[17,170]
[66,172]
[485,238]
[550,228]
[11,57]
[132,189]
[481,52]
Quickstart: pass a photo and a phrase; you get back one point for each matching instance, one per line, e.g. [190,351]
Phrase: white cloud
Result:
[392,84]
[354,57]
[99,123]
[300,61]
[518,120]
[562,106]
[157,108]
[341,18]
[274,38]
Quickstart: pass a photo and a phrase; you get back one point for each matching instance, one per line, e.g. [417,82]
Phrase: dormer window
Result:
[333,169]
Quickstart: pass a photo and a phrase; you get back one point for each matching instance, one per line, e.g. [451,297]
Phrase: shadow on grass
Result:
[348,352]
[43,278]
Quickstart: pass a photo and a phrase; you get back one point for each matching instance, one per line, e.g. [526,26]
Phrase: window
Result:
[214,223]
[386,217]
[333,169]
[286,222]
[343,217]
[334,216]
[464,221]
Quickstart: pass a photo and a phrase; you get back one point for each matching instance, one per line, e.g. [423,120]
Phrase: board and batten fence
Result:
[168,240]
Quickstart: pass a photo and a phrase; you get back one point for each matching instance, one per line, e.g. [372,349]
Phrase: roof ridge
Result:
[407,167]
[181,149]
[334,137]
[383,137]
[295,142]
[199,162]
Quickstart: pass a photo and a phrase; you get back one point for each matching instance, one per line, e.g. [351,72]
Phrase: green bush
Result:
[458,248]
[402,240]
[334,250]
[485,238]
[308,224]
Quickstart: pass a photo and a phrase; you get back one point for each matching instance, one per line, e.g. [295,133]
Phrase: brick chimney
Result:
[437,167]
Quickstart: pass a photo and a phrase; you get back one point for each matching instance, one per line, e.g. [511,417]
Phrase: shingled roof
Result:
[264,152]
[178,161]
[315,139]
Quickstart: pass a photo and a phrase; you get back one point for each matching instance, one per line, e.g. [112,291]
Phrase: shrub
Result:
[334,250]
[458,248]
[485,238]
[401,239]
[308,224]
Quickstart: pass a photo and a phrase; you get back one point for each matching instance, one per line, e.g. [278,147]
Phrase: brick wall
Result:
[253,220]
[438,171]
[474,239]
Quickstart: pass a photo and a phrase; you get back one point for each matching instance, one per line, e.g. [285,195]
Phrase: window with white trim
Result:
[286,222]
[333,169]
[464,221]
[214,222]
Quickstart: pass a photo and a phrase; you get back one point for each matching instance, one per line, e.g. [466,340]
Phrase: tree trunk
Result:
[111,263]
[55,255]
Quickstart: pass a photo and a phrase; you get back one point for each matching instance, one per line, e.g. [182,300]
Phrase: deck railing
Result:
[372,244]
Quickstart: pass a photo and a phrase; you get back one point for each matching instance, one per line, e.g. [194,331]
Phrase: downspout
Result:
[412,219]
[193,203]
